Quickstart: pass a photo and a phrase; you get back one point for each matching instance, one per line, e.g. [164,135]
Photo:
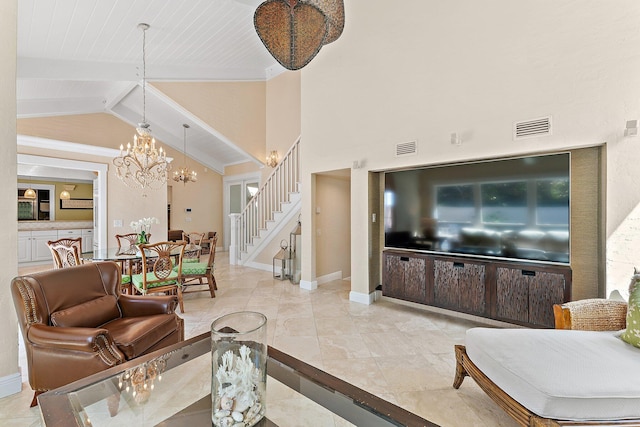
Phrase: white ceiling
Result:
[85,56]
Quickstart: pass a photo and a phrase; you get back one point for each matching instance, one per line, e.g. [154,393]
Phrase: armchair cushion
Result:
[135,335]
[90,314]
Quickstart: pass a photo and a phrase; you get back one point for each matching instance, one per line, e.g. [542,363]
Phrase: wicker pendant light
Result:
[294,31]
[334,11]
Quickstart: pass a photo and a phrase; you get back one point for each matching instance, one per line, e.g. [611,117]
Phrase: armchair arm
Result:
[594,314]
[146,305]
[88,340]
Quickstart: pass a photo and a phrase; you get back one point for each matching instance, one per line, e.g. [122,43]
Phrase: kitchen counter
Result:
[53,225]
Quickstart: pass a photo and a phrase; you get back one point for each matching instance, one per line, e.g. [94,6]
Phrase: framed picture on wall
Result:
[76,203]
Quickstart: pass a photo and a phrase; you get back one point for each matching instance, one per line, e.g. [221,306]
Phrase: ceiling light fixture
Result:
[65,195]
[142,165]
[272,159]
[184,174]
[30,193]
[294,31]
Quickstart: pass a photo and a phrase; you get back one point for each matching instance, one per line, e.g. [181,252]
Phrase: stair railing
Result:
[282,181]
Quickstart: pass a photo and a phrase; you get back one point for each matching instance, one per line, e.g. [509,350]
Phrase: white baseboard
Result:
[361,298]
[309,285]
[10,384]
[259,266]
[329,277]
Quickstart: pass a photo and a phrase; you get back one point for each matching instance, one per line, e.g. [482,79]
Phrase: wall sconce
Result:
[272,159]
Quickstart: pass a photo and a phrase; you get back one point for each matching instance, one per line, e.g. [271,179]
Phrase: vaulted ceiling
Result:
[85,56]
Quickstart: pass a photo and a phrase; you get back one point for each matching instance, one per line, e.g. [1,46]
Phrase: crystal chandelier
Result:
[142,165]
[272,159]
[184,174]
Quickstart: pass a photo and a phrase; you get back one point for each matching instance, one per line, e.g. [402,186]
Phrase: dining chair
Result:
[127,245]
[159,275]
[193,238]
[199,271]
[65,252]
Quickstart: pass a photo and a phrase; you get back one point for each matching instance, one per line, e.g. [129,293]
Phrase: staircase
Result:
[273,206]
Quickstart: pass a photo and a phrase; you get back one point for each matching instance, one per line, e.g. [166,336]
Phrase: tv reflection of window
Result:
[389,203]
[504,203]
[552,202]
[455,204]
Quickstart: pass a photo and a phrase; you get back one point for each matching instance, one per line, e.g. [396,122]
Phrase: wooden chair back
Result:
[194,238]
[158,258]
[65,252]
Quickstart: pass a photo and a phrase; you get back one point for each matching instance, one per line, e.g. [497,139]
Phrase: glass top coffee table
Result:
[172,387]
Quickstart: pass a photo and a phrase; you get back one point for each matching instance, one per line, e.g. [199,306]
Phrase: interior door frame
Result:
[227,182]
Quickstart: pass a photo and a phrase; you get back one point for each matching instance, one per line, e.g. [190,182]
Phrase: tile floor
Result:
[402,354]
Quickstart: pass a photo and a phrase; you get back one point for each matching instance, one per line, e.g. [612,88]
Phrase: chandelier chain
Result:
[144,75]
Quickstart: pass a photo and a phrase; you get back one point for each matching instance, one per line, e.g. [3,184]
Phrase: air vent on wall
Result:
[406,148]
[532,128]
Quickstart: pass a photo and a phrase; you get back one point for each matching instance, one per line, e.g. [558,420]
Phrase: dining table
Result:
[127,257]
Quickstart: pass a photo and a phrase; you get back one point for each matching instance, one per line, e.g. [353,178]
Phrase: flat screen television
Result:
[516,208]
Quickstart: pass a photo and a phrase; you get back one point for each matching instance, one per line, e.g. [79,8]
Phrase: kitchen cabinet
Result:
[32,245]
[87,239]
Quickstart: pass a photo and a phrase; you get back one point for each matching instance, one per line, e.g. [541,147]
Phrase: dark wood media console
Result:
[518,292]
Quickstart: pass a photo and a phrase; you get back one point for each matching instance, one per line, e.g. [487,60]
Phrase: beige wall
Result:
[472,68]
[204,197]
[9,373]
[333,223]
[283,112]
[235,109]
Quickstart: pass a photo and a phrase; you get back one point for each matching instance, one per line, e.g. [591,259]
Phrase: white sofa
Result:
[552,377]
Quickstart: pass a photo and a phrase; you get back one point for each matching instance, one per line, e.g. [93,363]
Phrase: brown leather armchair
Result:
[75,322]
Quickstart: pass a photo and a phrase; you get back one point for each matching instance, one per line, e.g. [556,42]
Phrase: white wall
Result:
[426,68]
[10,379]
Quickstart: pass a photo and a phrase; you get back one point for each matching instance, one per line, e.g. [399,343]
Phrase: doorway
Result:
[238,191]
[50,167]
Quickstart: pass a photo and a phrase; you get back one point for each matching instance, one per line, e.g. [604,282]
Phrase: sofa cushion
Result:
[135,335]
[560,374]
[631,335]
[90,314]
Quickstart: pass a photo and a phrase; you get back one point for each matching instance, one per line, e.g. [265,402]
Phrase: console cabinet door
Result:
[393,276]
[545,290]
[460,286]
[405,277]
[446,284]
[528,296]
[512,295]
[415,278]
[473,290]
